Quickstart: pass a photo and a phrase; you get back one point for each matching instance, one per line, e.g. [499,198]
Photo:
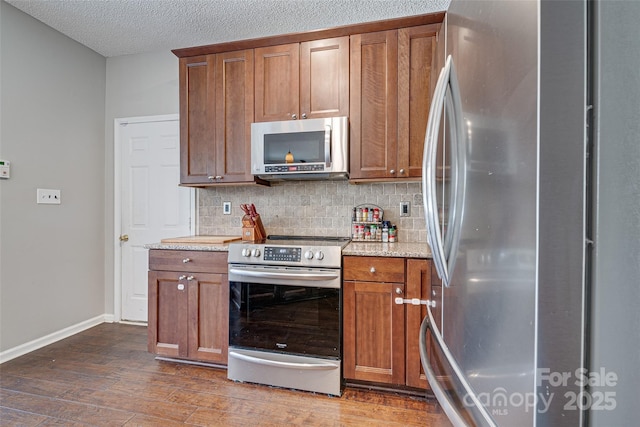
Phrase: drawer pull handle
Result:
[186,260]
[373,269]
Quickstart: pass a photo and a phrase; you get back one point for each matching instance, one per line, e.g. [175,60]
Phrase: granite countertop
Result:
[397,249]
[222,247]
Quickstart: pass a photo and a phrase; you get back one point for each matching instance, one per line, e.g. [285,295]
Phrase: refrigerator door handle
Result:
[445,249]
[429,200]
[447,405]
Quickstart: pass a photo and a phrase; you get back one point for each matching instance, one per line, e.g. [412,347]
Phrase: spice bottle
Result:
[393,234]
[385,232]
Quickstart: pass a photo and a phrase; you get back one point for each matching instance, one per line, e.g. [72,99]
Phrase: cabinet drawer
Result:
[188,261]
[373,269]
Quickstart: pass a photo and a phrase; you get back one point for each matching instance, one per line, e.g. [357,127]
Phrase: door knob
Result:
[124,238]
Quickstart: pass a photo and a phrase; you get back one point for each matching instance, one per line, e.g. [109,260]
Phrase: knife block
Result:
[252,229]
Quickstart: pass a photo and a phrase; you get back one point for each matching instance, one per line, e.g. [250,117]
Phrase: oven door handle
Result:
[282,275]
[290,365]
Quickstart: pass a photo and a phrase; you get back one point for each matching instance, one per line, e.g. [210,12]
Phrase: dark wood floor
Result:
[104,376]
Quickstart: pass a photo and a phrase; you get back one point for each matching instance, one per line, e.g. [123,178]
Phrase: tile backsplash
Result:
[311,207]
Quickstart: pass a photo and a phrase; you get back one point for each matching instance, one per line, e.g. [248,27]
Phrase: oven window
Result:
[306,147]
[289,319]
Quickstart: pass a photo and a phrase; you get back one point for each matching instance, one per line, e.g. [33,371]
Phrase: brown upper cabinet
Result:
[197,156]
[302,80]
[377,73]
[391,87]
[216,111]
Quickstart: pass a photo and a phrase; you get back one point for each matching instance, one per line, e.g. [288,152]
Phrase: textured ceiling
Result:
[121,27]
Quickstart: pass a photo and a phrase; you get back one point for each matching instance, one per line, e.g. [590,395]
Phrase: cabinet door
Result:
[418,286]
[416,55]
[208,317]
[374,105]
[324,78]
[168,299]
[197,152]
[234,114]
[373,332]
[277,82]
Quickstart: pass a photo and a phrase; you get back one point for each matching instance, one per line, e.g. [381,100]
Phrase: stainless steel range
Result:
[284,312]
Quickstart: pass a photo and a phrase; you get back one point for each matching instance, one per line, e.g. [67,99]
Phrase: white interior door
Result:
[153,206]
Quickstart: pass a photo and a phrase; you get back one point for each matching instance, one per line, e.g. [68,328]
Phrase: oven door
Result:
[288,310]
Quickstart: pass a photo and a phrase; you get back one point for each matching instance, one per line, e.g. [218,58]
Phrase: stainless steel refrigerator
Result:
[531,187]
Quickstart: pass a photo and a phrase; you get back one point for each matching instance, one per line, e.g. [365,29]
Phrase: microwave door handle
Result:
[327,145]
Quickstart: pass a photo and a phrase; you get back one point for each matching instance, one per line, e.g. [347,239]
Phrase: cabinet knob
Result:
[189,277]
[211,177]
[182,277]
[180,287]
[186,260]
[399,291]
[392,171]
[373,269]
[294,116]
[401,171]
[304,115]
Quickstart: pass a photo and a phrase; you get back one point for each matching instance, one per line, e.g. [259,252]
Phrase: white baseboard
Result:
[30,346]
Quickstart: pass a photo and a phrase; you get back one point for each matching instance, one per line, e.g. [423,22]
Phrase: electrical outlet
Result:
[48,197]
[226,208]
[405,209]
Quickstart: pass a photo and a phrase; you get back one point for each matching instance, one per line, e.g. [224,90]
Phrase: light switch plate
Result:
[405,209]
[226,208]
[48,197]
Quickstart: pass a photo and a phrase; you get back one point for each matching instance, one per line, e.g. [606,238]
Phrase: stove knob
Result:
[319,255]
[255,252]
[246,252]
[308,255]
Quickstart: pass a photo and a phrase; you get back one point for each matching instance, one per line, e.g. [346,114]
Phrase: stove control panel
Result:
[281,253]
[325,256]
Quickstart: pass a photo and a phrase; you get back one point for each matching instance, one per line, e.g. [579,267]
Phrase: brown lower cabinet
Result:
[380,336]
[188,305]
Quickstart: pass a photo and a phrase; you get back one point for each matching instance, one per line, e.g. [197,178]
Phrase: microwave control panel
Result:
[311,167]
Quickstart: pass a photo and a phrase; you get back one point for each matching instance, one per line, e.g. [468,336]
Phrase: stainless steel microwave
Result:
[301,149]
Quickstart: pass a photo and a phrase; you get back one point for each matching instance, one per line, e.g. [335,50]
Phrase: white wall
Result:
[136,85]
[52,130]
